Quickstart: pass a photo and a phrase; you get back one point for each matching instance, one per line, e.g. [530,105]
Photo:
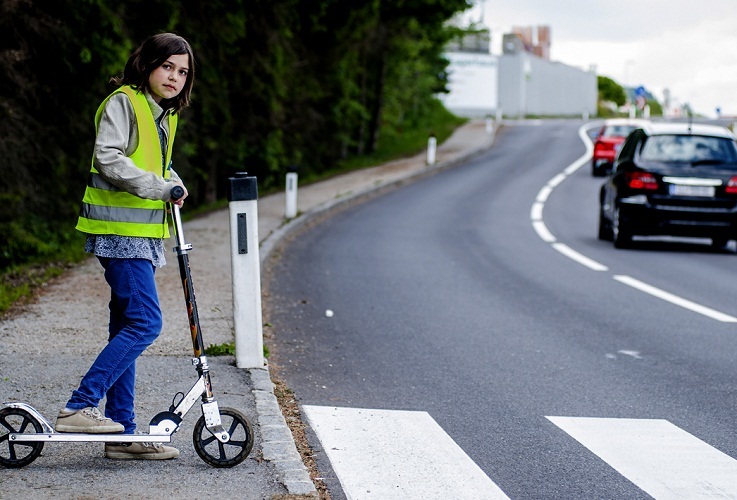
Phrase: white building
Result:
[516,84]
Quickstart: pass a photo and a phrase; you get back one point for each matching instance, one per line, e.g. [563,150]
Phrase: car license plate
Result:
[679,190]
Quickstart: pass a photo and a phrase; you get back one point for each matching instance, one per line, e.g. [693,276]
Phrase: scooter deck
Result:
[66,437]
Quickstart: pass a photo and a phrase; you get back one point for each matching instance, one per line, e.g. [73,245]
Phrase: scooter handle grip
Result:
[176,193]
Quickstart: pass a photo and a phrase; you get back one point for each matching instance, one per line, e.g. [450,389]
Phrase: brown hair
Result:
[150,55]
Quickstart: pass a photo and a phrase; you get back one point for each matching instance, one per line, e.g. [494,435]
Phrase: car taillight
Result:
[642,180]
[604,146]
[731,186]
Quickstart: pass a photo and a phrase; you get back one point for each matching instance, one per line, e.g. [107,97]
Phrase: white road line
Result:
[657,456]
[581,259]
[536,212]
[388,454]
[674,299]
[538,224]
[542,195]
[542,231]
[555,181]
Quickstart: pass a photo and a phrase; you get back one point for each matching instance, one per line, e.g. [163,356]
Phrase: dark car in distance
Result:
[676,179]
[608,139]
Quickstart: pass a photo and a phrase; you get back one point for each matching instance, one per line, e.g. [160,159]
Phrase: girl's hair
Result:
[150,55]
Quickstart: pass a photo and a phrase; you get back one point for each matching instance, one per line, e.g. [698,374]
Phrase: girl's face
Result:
[168,80]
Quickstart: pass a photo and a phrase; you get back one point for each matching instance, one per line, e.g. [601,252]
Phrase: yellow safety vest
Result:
[108,210]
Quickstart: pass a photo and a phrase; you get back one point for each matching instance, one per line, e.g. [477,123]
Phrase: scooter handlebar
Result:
[176,193]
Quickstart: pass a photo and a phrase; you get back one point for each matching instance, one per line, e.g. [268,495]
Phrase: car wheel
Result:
[621,233]
[596,171]
[605,228]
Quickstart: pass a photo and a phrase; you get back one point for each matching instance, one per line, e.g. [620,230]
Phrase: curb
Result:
[276,438]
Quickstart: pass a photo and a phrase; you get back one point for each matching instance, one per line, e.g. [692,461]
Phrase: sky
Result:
[686,46]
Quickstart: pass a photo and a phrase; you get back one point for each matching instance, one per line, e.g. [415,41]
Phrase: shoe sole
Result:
[119,455]
[89,430]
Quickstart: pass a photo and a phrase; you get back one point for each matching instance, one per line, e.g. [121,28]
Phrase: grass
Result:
[393,145]
[20,283]
[227,349]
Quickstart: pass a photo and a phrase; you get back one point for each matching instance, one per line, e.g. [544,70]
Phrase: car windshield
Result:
[694,149]
[617,130]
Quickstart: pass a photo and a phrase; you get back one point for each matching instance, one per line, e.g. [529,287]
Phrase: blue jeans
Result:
[135,322]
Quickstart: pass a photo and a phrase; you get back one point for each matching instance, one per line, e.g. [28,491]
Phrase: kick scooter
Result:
[222,437]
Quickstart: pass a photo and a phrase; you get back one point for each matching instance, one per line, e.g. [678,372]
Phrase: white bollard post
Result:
[246,271]
[633,111]
[489,126]
[585,115]
[290,210]
[499,115]
[646,111]
[431,147]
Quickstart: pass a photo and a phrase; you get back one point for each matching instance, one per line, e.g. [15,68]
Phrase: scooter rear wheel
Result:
[18,454]
[227,454]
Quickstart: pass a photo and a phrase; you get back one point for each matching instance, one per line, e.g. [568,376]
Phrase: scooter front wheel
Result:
[15,454]
[227,454]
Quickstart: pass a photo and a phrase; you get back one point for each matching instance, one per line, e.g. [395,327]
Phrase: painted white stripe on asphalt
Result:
[674,299]
[657,456]
[553,183]
[387,454]
[542,195]
[581,259]
[583,160]
[542,231]
[536,212]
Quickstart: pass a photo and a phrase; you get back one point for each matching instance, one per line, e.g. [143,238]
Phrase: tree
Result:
[306,82]
[611,91]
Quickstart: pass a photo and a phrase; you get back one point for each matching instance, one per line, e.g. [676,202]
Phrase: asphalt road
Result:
[448,301]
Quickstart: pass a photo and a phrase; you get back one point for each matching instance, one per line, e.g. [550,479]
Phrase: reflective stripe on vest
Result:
[108,210]
[117,214]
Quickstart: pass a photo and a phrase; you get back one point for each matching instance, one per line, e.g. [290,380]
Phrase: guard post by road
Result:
[432,144]
[290,209]
[246,270]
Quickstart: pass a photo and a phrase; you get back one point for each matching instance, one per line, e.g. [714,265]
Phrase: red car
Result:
[607,143]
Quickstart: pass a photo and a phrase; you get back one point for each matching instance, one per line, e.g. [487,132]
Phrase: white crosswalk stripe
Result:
[660,458]
[386,454]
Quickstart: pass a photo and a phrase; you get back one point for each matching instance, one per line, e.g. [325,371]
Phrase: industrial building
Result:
[520,82]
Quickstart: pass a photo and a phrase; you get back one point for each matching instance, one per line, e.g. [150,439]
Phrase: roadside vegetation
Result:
[613,96]
[326,86]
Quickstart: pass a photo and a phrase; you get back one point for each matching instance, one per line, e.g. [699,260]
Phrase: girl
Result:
[124,216]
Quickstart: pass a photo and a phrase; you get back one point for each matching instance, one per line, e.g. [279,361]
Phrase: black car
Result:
[676,179]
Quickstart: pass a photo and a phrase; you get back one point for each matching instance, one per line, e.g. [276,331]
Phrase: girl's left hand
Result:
[179,201]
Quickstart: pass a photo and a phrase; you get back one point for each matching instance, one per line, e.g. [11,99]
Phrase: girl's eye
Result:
[166,66]
[183,73]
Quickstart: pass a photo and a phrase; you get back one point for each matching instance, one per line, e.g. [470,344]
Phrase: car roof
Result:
[683,128]
[638,122]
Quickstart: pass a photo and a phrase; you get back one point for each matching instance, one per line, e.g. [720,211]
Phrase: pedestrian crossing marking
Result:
[388,454]
[660,458]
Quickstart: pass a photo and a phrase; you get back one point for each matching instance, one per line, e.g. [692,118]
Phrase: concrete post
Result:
[432,143]
[246,271]
[290,210]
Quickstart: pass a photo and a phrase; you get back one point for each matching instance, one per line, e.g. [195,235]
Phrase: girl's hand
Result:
[180,200]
